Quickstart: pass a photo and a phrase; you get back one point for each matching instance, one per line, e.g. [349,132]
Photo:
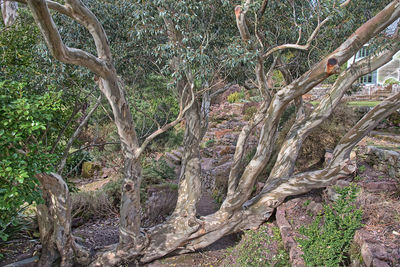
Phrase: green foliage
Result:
[174,138]
[328,237]
[113,191]
[362,168]
[289,112]
[250,251]
[157,172]
[253,249]
[27,124]
[249,156]
[73,166]
[234,97]
[152,102]
[391,81]
[282,257]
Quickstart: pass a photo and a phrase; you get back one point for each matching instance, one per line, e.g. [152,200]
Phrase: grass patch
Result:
[363,103]
[354,103]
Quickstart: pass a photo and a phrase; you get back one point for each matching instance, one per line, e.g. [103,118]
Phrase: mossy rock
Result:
[89,169]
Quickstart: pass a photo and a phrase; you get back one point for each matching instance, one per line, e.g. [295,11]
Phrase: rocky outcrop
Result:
[375,253]
[387,161]
[288,238]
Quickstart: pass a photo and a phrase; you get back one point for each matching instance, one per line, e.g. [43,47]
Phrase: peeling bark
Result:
[55,224]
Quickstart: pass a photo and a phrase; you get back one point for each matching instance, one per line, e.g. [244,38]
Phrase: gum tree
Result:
[183,231]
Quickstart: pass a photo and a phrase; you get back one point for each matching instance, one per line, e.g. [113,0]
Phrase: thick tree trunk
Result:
[130,235]
[55,221]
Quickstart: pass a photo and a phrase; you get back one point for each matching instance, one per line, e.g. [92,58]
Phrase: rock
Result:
[207,164]
[379,263]
[384,160]
[290,244]
[160,203]
[221,175]
[89,169]
[177,153]
[223,150]
[379,186]
[315,208]
[30,262]
[221,133]
[373,253]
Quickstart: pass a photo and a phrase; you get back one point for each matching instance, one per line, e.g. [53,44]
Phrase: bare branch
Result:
[263,8]
[345,3]
[296,45]
[364,126]
[168,126]
[85,17]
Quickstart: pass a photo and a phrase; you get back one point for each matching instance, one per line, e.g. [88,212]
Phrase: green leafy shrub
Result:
[25,120]
[328,238]
[233,98]
[157,172]
[236,97]
[113,191]
[73,166]
[250,251]
[391,81]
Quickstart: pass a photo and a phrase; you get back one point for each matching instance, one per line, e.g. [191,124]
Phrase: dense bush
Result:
[27,124]
[328,238]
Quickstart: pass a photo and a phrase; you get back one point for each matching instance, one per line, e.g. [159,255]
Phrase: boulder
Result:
[89,169]
[385,160]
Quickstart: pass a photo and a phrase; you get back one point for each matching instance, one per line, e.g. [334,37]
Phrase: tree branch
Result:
[297,46]
[75,135]
[57,47]
[290,149]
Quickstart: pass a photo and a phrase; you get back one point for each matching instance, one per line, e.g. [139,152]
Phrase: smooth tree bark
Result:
[54,218]
[9,12]
[183,231]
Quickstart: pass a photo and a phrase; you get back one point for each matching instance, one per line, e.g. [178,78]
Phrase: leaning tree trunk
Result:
[184,232]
